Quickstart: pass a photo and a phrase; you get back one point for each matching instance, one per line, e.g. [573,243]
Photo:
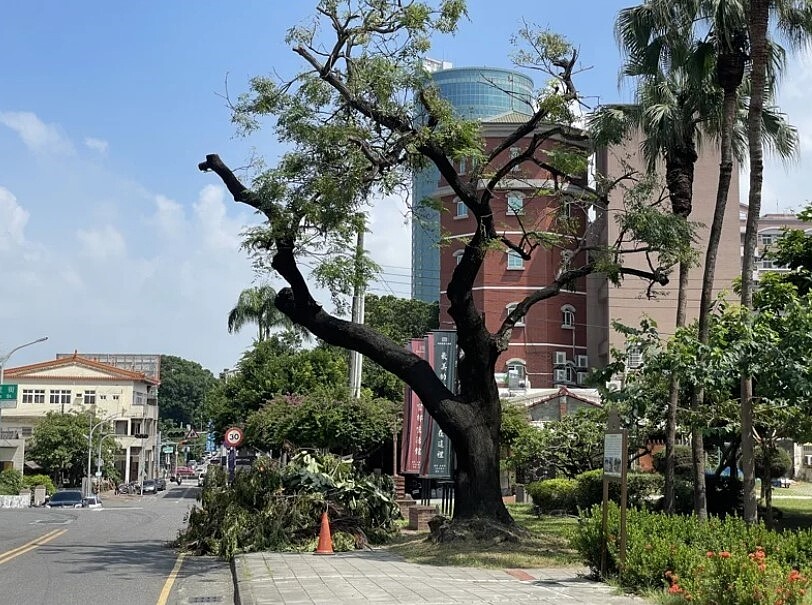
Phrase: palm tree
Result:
[256,306]
[662,35]
[794,19]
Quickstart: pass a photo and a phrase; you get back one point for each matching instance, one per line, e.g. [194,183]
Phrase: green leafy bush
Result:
[554,495]
[32,481]
[724,561]
[641,486]
[11,482]
[683,461]
[273,508]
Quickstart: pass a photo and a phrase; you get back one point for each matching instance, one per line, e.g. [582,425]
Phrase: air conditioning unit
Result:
[582,377]
[560,358]
[559,376]
[583,361]
[613,385]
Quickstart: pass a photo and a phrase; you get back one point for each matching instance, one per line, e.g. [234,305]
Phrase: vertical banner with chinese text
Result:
[437,453]
[413,411]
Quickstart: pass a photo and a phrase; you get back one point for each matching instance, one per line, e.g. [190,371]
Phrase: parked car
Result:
[149,487]
[782,482]
[129,488]
[160,484]
[93,501]
[69,498]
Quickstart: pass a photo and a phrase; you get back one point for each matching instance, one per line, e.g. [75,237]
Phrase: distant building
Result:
[770,228]
[128,399]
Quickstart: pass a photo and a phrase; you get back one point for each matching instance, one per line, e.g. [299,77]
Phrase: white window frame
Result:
[59,396]
[509,308]
[582,361]
[559,375]
[517,207]
[581,377]
[560,358]
[460,209]
[90,397]
[514,257]
[568,317]
[634,357]
[517,364]
[463,165]
[33,396]
[514,153]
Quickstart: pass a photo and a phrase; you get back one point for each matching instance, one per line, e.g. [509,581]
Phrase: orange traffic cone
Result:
[325,546]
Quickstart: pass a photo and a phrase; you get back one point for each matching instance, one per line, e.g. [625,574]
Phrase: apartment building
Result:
[126,398]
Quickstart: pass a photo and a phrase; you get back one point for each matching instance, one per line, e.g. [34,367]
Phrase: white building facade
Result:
[127,400]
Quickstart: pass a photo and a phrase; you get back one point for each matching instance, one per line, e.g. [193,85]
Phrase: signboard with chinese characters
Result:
[8,395]
[413,411]
[437,453]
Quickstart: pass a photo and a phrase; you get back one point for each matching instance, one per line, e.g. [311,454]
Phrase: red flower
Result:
[710,554]
[724,554]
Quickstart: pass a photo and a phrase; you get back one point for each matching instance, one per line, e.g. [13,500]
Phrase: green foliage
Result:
[775,460]
[714,561]
[184,385]
[683,461]
[32,481]
[554,495]
[640,487]
[273,508]
[11,482]
[336,423]
[60,447]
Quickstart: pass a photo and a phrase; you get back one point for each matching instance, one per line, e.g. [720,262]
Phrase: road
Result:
[116,555]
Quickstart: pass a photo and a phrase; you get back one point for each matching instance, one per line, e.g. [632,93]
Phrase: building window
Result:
[90,397]
[517,367]
[463,165]
[139,399]
[634,357]
[514,153]
[515,204]
[33,396]
[568,317]
[514,260]
[768,239]
[102,397]
[458,256]
[510,309]
[460,209]
[116,397]
[59,396]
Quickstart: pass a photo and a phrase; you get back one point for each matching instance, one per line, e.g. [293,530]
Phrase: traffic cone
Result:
[325,546]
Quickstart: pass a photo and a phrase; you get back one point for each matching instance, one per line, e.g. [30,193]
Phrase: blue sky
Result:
[112,241]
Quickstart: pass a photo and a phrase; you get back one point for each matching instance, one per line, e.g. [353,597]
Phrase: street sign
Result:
[168,449]
[234,436]
[8,392]
[192,434]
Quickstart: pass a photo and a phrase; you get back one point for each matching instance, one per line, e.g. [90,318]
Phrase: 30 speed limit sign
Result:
[234,436]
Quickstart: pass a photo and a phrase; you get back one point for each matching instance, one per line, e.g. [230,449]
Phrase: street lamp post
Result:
[88,489]
[4,359]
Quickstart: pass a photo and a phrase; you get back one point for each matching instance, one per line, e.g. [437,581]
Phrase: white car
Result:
[92,502]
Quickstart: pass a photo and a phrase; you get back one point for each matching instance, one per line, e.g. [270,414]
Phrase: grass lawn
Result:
[547,546]
[795,503]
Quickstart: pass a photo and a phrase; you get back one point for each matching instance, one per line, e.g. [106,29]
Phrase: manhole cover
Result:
[206,600]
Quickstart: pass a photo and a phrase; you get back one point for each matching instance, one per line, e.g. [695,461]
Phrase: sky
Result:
[111,240]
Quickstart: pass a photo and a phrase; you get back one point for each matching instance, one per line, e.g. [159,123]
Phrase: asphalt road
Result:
[117,555]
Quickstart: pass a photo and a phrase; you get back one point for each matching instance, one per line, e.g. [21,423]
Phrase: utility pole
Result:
[356,359]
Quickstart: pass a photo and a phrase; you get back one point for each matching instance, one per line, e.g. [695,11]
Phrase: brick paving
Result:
[377,576]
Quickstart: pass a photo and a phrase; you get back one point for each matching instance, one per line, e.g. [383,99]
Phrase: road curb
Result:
[243,595]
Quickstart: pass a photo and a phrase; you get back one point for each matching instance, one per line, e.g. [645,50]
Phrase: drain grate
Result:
[206,600]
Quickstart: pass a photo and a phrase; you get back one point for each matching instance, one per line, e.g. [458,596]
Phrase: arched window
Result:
[514,260]
[517,366]
[458,256]
[512,307]
[568,317]
[460,209]
[515,204]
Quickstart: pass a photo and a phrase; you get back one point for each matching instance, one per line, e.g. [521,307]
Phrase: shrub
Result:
[589,489]
[683,461]
[11,482]
[554,495]
[779,460]
[32,481]
[723,561]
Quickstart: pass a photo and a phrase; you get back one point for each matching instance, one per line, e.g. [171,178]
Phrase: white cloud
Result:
[169,217]
[95,144]
[13,219]
[217,229]
[36,134]
[106,242]
[388,242]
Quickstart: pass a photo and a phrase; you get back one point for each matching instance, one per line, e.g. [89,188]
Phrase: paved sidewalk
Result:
[381,577]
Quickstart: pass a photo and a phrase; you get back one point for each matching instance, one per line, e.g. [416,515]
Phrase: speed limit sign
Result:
[234,436]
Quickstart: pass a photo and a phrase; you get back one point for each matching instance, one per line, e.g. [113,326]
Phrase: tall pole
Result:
[93,427]
[356,359]
[4,359]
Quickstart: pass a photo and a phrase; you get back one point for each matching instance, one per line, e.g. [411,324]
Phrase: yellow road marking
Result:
[29,546]
[170,580]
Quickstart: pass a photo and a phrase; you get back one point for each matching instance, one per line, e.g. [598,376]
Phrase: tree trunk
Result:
[478,492]
[700,492]
[757,25]
[673,399]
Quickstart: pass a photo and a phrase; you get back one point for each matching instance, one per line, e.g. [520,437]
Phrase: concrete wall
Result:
[15,501]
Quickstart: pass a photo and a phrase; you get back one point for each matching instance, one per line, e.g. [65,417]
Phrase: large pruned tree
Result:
[358,120]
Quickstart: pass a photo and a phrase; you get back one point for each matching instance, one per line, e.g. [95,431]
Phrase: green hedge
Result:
[11,482]
[723,561]
[554,495]
[641,486]
[32,481]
